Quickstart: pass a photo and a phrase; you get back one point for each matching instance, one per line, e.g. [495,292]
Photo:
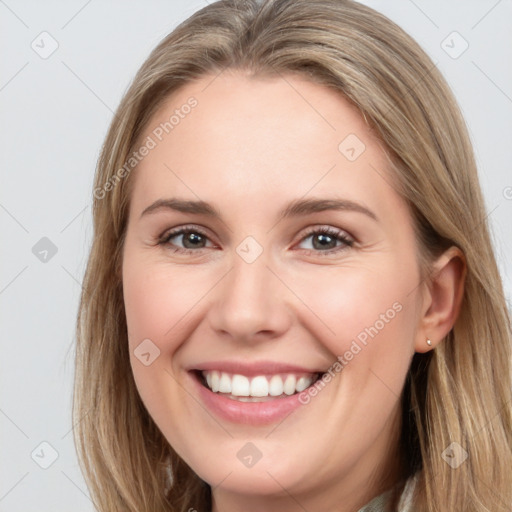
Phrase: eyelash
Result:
[329,231]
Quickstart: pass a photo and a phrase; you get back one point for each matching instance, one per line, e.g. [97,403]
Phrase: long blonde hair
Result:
[460,392]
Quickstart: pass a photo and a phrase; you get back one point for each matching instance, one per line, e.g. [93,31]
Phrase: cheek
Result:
[157,300]
[149,306]
[351,302]
[152,307]
[368,319]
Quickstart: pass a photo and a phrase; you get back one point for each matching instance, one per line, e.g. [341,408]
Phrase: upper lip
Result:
[253,368]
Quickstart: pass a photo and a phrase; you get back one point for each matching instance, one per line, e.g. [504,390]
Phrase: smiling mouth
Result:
[259,388]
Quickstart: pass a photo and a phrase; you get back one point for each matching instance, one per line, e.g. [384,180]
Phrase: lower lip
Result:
[249,413]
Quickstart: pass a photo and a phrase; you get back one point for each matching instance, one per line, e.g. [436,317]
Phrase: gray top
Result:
[405,505]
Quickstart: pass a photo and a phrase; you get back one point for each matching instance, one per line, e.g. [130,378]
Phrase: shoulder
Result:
[405,504]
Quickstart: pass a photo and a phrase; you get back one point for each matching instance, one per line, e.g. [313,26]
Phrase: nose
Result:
[251,303]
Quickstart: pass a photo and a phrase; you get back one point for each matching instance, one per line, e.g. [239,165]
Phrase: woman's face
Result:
[256,297]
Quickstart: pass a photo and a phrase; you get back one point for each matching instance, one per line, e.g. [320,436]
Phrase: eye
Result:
[191,237]
[324,241]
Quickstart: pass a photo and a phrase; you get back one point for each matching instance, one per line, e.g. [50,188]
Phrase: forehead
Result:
[244,138]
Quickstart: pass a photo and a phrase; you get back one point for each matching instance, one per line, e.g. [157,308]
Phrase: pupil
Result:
[323,237]
[190,238]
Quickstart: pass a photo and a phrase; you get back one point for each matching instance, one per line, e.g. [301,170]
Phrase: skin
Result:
[249,147]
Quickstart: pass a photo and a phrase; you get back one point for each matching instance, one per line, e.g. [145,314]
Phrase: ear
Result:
[443,294]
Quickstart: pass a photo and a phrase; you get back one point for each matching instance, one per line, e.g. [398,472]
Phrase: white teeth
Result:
[302,384]
[259,386]
[276,386]
[289,385]
[215,380]
[225,383]
[240,385]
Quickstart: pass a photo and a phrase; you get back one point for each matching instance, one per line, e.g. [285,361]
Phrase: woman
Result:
[291,300]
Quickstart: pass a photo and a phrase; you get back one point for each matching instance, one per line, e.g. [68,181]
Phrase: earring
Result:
[429,343]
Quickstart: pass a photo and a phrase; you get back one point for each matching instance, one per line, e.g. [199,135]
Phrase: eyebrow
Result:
[295,208]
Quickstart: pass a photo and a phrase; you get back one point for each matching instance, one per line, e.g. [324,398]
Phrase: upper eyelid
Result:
[326,227]
[183,229]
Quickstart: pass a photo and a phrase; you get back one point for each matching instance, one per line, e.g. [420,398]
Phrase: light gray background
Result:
[55,113]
